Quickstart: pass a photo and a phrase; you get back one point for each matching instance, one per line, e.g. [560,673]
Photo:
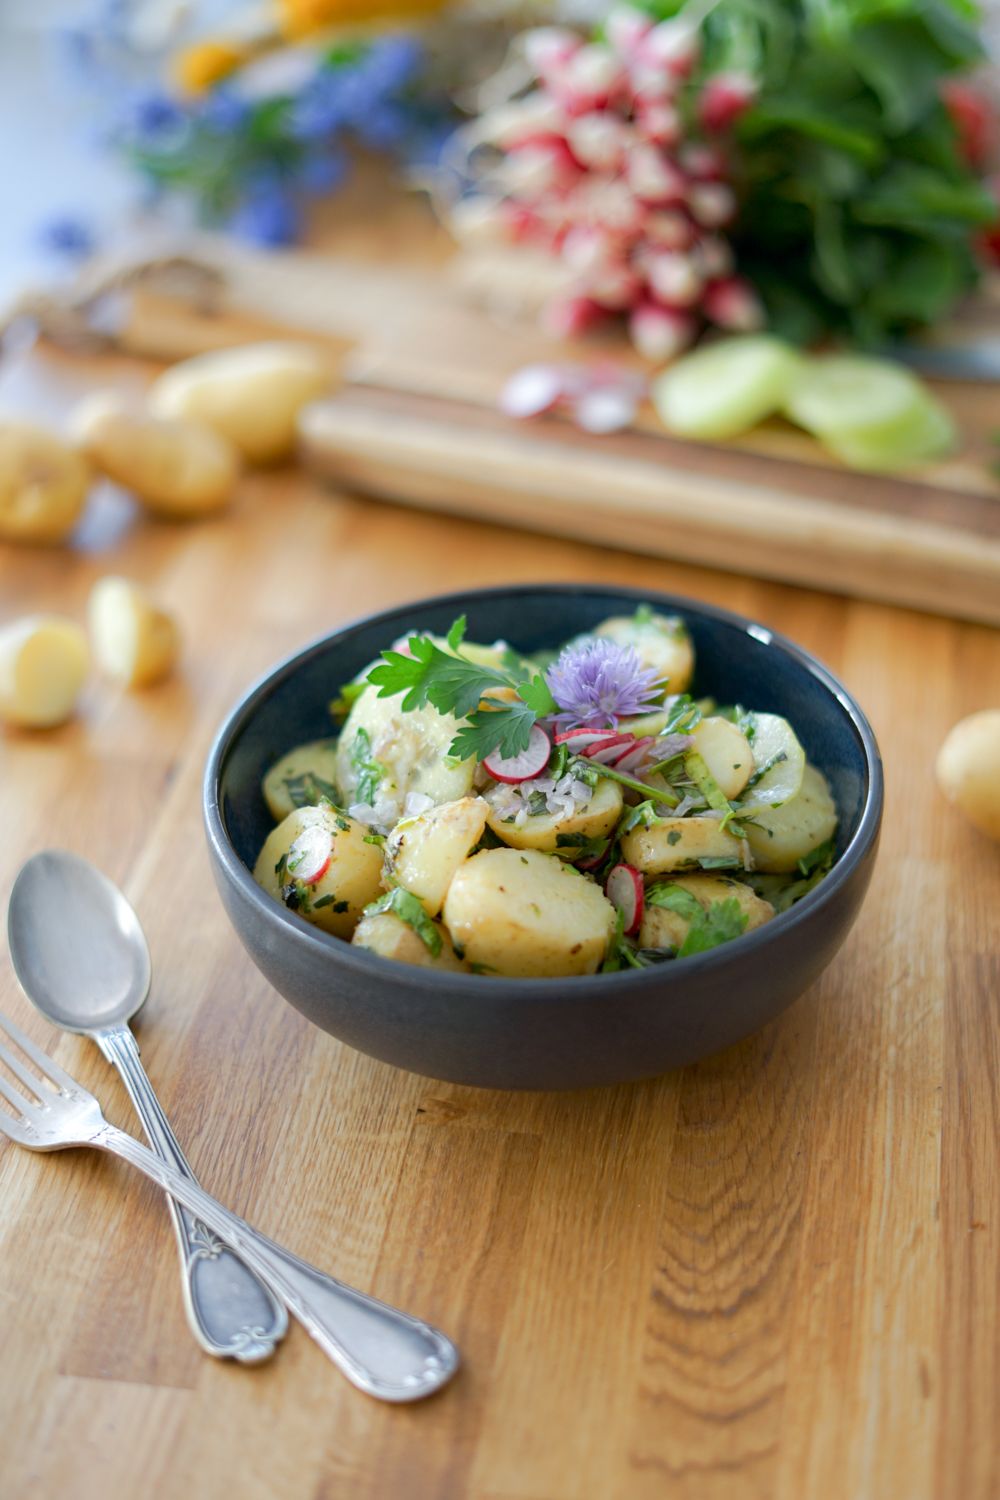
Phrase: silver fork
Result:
[381,1350]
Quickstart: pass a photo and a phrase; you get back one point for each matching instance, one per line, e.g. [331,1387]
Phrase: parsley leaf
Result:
[409,910]
[370,771]
[537,696]
[507,729]
[349,695]
[723,922]
[456,634]
[450,683]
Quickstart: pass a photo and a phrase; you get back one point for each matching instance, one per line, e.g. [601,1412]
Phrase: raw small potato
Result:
[780,836]
[968,769]
[411,748]
[351,879]
[43,484]
[133,641]
[595,820]
[677,844]
[662,642]
[727,754]
[425,852]
[179,469]
[44,663]
[301,777]
[251,395]
[527,915]
[391,937]
[668,929]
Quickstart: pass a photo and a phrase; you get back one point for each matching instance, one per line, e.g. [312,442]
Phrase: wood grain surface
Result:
[771,1276]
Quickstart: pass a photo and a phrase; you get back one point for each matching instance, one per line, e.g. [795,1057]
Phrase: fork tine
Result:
[13,1128]
[20,1071]
[41,1060]
[12,1096]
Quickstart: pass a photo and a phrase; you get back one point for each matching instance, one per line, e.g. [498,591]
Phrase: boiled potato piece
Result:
[407,749]
[425,852]
[727,754]
[668,929]
[968,769]
[350,880]
[527,915]
[780,761]
[44,663]
[786,834]
[133,641]
[391,937]
[301,777]
[177,468]
[662,641]
[43,484]
[594,820]
[678,843]
[250,395]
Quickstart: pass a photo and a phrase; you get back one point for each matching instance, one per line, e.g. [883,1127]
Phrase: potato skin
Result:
[595,819]
[43,484]
[251,395]
[424,853]
[651,850]
[133,641]
[668,929]
[968,769]
[785,834]
[179,469]
[388,935]
[527,915]
[354,873]
[318,757]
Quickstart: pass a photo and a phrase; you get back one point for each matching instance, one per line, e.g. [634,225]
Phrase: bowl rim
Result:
[656,976]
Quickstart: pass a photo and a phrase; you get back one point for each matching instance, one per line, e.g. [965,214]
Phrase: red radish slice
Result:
[579,739]
[610,749]
[309,857]
[523,767]
[634,756]
[623,888]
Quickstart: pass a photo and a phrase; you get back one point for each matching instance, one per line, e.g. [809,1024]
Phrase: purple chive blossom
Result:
[598,683]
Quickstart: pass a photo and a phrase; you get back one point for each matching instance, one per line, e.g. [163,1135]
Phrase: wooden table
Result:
[774,1274]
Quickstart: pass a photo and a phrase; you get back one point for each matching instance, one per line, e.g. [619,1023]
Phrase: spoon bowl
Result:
[77,948]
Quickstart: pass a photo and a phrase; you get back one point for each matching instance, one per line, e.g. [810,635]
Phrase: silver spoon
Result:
[82,960]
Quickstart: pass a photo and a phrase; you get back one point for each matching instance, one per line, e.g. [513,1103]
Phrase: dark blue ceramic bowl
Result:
[544,1033]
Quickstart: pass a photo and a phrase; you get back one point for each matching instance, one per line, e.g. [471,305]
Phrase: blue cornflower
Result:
[154,121]
[599,682]
[67,236]
[268,215]
[323,172]
[223,111]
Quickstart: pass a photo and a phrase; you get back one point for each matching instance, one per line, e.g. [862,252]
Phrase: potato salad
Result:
[569,813]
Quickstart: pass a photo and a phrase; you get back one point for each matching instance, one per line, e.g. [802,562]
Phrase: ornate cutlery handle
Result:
[232,1313]
[381,1350]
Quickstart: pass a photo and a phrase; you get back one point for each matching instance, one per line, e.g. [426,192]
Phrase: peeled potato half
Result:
[43,484]
[133,641]
[44,663]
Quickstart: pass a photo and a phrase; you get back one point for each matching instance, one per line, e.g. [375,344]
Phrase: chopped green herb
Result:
[373,838]
[349,695]
[370,771]
[721,862]
[309,790]
[581,845]
[720,924]
[674,836]
[456,634]
[482,969]
[409,910]
[338,906]
[644,813]
[705,782]
[343,824]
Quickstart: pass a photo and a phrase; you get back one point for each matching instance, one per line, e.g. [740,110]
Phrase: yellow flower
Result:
[204,63]
[300,17]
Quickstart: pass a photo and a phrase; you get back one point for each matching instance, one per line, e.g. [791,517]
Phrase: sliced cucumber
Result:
[872,413]
[721,390]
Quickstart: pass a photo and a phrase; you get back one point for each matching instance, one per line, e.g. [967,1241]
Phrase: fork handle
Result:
[230,1310]
[383,1351]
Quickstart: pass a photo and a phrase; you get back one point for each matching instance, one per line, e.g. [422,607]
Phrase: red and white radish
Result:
[610,749]
[624,890]
[524,767]
[634,755]
[309,856]
[577,740]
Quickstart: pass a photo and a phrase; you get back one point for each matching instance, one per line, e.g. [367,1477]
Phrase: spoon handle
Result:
[232,1313]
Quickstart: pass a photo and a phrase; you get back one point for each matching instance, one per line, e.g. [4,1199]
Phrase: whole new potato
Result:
[43,484]
[968,769]
[179,469]
[250,395]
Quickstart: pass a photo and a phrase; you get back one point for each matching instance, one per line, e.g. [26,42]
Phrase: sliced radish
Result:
[610,749]
[634,756]
[523,767]
[578,740]
[309,857]
[623,889]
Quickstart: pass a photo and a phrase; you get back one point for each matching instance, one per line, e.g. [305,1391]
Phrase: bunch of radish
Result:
[596,168]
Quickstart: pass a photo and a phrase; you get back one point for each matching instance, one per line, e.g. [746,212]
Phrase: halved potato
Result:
[662,642]
[178,468]
[780,760]
[390,936]
[727,754]
[677,844]
[44,663]
[595,820]
[43,484]
[668,929]
[527,915]
[301,777]
[133,641]
[425,852]
[336,899]
[786,834]
[410,751]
